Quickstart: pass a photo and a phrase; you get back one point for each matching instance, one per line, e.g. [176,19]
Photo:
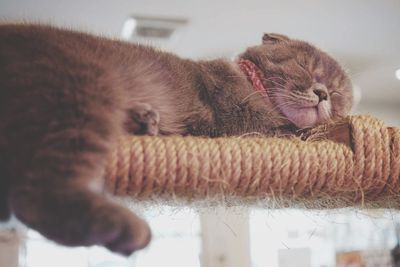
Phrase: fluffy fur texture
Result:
[66,96]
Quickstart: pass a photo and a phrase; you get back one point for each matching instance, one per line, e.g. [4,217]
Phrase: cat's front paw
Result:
[124,233]
[143,119]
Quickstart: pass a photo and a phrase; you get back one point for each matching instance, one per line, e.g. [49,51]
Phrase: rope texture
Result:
[259,168]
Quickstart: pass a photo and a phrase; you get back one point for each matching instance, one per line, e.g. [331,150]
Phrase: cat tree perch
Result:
[351,163]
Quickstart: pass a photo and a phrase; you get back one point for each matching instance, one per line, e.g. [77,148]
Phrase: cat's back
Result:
[37,61]
[32,42]
[38,44]
[40,60]
[46,72]
[30,53]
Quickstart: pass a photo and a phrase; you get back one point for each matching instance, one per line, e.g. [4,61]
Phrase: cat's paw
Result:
[143,119]
[122,232]
[82,218]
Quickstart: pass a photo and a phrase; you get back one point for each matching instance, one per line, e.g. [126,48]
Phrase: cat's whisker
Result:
[280,89]
[275,77]
[274,93]
[255,93]
[274,82]
[306,99]
[286,104]
[280,94]
[276,89]
[279,98]
[299,94]
[302,97]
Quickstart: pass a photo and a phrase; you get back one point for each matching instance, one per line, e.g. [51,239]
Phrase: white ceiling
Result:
[363,34]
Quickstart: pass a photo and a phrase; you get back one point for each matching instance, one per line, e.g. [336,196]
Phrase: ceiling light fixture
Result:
[397,74]
[128,28]
[138,27]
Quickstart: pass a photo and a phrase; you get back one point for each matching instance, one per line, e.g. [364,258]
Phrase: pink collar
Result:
[253,74]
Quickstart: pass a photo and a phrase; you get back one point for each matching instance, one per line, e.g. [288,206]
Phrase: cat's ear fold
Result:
[269,38]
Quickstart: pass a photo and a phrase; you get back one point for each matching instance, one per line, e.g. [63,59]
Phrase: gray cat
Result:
[66,96]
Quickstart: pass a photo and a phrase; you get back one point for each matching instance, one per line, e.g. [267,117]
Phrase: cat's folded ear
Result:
[269,38]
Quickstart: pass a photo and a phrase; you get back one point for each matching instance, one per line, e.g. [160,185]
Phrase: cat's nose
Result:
[321,93]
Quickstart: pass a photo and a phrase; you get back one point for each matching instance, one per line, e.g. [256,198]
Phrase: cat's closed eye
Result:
[336,94]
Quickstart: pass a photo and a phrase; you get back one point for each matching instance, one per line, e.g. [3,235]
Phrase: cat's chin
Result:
[308,116]
[302,117]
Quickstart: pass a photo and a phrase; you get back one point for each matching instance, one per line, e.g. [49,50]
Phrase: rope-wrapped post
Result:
[355,161]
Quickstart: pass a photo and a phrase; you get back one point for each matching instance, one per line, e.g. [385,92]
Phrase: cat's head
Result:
[303,83]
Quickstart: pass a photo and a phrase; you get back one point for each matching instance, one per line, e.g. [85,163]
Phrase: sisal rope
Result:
[333,174]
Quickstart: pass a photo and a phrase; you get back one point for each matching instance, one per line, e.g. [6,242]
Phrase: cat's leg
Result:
[73,216]
[142,119]
[55,192]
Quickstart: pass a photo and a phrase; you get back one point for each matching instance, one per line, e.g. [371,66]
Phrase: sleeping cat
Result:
[66,96]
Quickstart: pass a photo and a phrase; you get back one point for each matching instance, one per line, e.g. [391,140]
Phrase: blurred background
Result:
[364,35]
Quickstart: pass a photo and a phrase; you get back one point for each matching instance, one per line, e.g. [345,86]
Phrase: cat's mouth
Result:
[304,116]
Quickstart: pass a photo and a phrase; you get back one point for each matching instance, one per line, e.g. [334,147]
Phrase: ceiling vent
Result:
[155,29]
